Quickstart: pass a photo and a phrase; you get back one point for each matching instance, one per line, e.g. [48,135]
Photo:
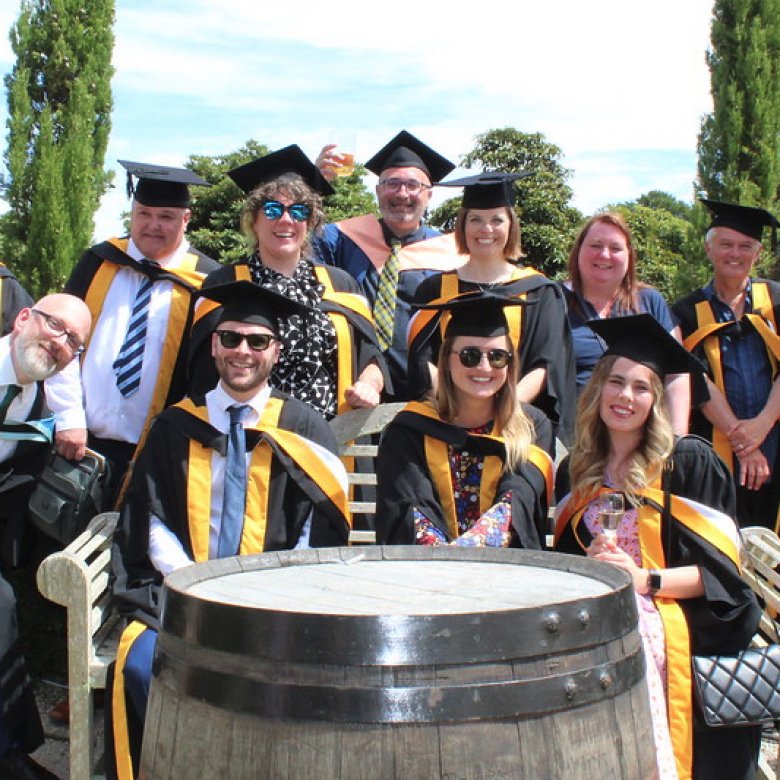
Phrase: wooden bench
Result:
[78,578]
[761,561]
[357,424]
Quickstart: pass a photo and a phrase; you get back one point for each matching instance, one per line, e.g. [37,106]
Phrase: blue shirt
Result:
[588,347]
[747,372]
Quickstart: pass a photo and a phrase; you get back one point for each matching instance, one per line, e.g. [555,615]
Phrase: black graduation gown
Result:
[359,338]
[545,342]
[405,480]
[159,487]
[725,618]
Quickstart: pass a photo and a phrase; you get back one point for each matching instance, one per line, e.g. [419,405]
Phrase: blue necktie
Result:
[127,365]
[234,496]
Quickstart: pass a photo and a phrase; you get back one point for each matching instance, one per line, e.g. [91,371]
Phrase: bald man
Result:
[45,338]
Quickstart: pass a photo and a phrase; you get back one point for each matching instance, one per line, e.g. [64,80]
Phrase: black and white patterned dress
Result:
[307,368]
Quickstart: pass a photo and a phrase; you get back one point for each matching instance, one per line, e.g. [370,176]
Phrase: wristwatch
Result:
[653,581]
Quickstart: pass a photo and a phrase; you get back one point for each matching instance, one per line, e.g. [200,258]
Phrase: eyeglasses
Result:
[56,329]
[299,212]
[412,185]
[471,357]
[258,342]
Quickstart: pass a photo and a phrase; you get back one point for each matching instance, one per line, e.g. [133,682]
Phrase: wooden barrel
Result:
[398,662]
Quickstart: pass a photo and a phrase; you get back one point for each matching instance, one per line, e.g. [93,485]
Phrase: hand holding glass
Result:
[611,507]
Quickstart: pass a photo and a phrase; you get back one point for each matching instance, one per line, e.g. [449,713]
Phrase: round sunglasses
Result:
[258,342]
[471,357]
[299,212]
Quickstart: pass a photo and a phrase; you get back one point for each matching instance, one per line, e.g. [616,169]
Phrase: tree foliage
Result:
[59,118]
[548,221]
[215,227]
[740,140]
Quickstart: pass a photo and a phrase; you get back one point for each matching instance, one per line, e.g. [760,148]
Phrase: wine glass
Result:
[610,511]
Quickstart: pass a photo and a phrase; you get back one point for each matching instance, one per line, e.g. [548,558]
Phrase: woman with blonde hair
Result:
[463,467]
[675,537]
[487,234]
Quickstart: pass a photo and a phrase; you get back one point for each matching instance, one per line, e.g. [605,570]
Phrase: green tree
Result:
[739,142]
[215,227]
[59,118]
[548,222]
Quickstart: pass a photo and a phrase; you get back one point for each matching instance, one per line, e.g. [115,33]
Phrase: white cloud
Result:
[608,81]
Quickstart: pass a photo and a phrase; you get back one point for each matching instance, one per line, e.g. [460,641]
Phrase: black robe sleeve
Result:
[15,298]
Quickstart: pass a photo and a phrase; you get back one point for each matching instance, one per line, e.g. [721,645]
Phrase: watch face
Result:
[654,581]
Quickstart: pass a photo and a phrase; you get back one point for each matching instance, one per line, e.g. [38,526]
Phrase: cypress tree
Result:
[739,143]
[59,118]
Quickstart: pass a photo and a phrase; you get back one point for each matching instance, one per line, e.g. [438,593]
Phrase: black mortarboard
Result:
[291,159]
[486,190]
[641,338]
[478,313]
[245,301]
[746,219]
[406,151]
[159,185]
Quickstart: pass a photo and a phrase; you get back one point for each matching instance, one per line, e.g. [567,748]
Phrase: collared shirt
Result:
[22,405]
[92,400]
[747,372]
[165,549]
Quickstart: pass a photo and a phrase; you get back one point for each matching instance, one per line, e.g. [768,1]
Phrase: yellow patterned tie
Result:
[386,293]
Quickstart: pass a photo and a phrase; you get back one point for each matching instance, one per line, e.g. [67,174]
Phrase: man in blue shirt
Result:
[364,246]
[731,325]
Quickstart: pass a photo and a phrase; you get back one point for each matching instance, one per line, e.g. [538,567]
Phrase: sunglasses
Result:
[299,212]
[471,357]
[258,342]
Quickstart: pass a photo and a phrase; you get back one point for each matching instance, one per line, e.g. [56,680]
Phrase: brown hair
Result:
[627,292]
[292,186]
[512,248]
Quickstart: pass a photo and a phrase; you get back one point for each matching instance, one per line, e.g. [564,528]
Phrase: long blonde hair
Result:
[516,429]
[589,455]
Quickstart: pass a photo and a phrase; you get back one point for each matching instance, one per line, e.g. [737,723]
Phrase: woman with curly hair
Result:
[463,467]
[676,538]
[329,359]
[602,284]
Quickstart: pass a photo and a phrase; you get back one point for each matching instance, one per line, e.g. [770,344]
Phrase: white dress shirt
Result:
[22,405]
[86,395]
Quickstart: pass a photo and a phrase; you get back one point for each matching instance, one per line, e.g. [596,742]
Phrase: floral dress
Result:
[491,529]
[651,630]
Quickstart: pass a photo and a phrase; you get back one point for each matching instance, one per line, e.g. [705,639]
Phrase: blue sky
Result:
[619,85]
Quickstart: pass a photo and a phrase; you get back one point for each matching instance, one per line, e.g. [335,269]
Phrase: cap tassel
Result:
[130,188]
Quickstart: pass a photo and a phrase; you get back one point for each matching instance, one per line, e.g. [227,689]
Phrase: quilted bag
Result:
[739,690]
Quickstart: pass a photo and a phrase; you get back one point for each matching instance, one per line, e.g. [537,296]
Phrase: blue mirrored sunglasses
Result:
[299,212]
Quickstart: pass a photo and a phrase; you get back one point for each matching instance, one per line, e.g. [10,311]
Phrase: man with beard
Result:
[45,338]
[190,501]
[390,256]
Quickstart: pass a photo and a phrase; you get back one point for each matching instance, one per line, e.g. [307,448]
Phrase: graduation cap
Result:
[160,185]
[406,151]
[641,338]
[487,190]
[744,219]
[290,159]
[245,301]
[477,313]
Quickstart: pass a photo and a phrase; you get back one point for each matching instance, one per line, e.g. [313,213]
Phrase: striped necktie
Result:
[129,361]
[234,495]
[386,294]
[10,394]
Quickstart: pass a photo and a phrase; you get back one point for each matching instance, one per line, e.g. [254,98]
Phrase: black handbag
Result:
[67,495]
[738,690]
[735,690]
